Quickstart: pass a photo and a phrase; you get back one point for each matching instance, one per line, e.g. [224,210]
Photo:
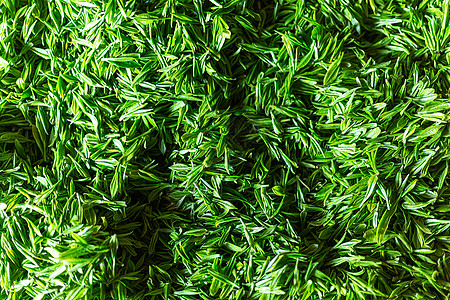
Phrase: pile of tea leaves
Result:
[224,149]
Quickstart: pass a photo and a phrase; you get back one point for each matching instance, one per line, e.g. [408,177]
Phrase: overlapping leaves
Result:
[224,149]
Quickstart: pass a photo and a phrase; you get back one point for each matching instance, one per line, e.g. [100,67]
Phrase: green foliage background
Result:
[188,149]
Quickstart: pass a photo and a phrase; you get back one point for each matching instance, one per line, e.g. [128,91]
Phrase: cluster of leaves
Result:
[238,149]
